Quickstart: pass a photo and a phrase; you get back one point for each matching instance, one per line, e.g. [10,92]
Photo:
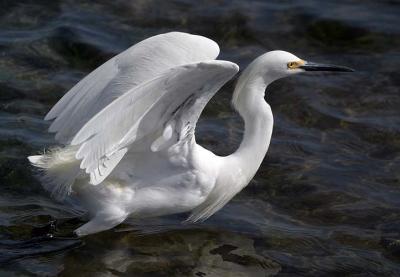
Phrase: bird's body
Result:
[128,132]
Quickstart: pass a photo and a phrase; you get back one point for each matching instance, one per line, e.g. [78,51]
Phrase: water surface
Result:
[326,199]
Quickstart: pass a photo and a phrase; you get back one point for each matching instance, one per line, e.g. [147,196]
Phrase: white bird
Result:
[128,131]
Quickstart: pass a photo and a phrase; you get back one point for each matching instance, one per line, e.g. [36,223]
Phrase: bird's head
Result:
[272,66]
[278,64]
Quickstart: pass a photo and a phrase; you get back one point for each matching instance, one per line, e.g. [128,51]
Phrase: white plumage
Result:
[128,132]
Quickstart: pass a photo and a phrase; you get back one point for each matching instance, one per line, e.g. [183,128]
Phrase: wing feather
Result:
[136,65]
[178,95]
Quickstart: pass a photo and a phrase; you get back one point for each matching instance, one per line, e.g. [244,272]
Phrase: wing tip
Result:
[234,67]
[54,111]
[49,116]
[209,46]
[220,63]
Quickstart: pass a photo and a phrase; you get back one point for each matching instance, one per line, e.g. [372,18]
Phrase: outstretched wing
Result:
[164,109]
[142,62]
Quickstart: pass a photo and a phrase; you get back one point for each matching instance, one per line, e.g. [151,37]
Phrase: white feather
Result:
[140,63]
[129,125]
[145,110]
[59,170]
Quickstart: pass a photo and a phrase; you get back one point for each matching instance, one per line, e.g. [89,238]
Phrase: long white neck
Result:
[237,169]
[248,100]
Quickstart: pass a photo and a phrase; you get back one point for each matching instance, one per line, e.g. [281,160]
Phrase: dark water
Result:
[326,200]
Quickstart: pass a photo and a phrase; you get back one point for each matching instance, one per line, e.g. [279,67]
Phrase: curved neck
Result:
[237,169]
[248,99]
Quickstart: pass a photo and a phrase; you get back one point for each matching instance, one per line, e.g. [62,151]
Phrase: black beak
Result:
[309,66]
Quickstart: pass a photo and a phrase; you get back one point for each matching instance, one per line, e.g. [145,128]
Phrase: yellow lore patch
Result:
[295,64]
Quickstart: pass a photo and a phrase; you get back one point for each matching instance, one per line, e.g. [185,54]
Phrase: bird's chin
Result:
[295,71]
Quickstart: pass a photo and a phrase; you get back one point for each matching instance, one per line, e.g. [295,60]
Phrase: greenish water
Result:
[326,200]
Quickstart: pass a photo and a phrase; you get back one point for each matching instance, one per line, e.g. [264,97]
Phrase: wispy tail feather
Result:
[59,169]
[37,160]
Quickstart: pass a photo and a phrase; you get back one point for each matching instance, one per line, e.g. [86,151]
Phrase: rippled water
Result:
[327,197]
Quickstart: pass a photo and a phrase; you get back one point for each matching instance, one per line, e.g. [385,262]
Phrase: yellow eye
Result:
[292,65]
[295,64]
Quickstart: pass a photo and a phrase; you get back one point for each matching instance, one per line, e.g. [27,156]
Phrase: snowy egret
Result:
[128,131]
